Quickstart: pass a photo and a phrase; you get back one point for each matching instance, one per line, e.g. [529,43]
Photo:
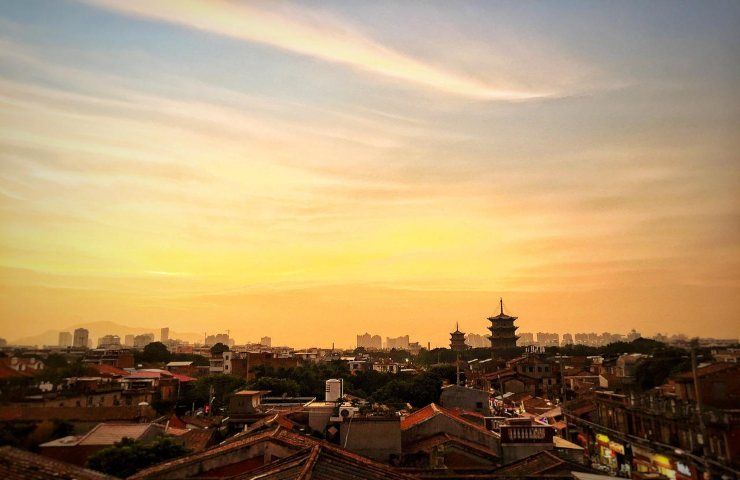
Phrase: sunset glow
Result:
[312,172]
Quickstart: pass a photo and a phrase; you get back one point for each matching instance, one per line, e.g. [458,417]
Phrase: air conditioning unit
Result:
[347,411]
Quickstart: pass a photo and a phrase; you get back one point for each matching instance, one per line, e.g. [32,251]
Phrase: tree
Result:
[129,456]
[155,352]
[218,349]
[220,386]
[277,386]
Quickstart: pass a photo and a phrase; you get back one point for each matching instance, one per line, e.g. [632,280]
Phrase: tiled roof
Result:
[710,369]
[16,464]
[8,373]
[110,433]
[197,439]
[278,435]
[108,370]
[428,443]
[183,378]
[325,462]
[433,410]
[149,373]
[536,464]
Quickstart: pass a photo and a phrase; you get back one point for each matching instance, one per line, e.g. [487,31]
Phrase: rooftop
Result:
[16,464]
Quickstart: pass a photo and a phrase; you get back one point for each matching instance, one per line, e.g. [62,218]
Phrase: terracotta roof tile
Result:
[16,464]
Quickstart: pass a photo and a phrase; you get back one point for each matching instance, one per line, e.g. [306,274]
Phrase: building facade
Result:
[81,337]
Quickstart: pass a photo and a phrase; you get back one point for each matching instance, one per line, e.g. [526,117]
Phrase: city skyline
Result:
[306,171]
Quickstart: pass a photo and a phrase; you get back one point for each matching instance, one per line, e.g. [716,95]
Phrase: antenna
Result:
[501,302]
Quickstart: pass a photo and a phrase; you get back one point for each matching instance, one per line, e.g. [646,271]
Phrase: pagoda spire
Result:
[501,303]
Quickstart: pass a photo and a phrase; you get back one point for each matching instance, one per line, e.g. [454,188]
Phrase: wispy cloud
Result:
[325,38]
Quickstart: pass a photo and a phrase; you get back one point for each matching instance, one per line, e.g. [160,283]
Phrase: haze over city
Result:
[310,172]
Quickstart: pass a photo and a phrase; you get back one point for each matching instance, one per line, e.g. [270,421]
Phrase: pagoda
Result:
[503,336]
[457,340]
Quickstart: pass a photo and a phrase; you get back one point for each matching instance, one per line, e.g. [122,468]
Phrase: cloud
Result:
[322,38]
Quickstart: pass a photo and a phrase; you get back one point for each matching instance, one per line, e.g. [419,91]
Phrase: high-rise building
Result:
[129,341]
[266,341]
[525,339]
[567,339]
[503,331]
[141,341]
[65,339]
[457,340]
[548,339]
[370,342]
[81,337]
[477,341]
[109,341]
[164,334]
[399,343]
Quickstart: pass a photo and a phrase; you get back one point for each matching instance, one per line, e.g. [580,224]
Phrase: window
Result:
[479,405]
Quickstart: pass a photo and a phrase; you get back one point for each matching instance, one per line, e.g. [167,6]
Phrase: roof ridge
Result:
[310,463]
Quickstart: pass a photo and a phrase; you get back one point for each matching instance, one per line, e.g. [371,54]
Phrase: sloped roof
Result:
[110,433]
[278,435]
[536,464]
[197,439]
[426,444]
[108,370]
[324,461]
[16,464]
[183,378]
[432,410]
[707,370]
[8,373]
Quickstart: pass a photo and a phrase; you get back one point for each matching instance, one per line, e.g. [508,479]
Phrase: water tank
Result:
[334,389]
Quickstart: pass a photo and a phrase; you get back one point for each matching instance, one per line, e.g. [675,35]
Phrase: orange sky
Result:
[311,174]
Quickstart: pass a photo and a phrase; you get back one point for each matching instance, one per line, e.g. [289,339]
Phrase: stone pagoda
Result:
[503,336]
[457,340]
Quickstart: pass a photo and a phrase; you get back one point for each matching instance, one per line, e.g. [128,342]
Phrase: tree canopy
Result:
[218,349]
[129,456]
[156,352]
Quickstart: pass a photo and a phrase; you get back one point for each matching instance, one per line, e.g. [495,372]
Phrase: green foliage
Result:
[277,386]
[16,433]
[62,428]
[128,456]
[60,369]
[218,349]
[221,386]
[419,390]
[656,370]
[155,352]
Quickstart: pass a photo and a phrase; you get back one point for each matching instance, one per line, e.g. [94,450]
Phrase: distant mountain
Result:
[100,328]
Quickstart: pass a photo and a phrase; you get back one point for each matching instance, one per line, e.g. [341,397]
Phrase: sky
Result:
[315,170]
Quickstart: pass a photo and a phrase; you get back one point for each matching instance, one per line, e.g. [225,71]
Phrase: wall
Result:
[376,438]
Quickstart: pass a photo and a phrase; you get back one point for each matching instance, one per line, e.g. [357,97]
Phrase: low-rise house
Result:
[77,449]
[154,384]
[433,419]
[457,396]
[182,367]
[23,364]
